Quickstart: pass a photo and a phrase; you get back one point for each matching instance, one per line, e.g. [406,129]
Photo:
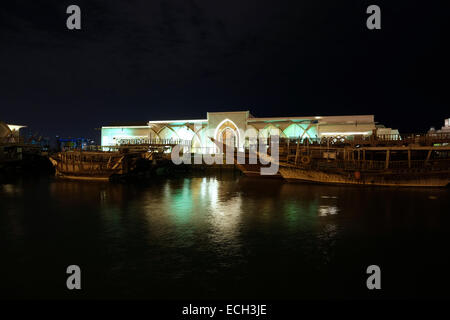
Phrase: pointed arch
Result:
[198,136]
[184,133]
[294,131]
[167,132]
[153,133]
[269,130]
[224,124]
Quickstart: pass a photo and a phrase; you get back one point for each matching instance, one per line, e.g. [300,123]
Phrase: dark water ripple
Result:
[221,237]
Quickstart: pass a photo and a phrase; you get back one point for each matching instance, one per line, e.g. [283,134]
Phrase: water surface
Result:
[222,236]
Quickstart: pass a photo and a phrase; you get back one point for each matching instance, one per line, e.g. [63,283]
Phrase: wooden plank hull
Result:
[254,170]
[247,168]
[391,179]
[82,178]
[93,166]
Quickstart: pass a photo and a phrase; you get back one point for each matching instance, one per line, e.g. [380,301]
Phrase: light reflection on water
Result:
[10,189]
[328,211]
[214,236]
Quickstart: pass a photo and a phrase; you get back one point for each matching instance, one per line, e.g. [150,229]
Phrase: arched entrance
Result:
[227,133]
[229,138]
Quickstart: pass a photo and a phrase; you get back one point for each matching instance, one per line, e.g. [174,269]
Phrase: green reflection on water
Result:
[180,201]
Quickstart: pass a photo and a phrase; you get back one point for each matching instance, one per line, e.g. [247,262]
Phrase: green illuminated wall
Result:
[301,130]
[111,135]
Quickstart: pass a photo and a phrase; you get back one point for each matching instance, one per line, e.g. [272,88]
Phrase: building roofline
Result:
[126,126]
[308,118]
[249,119]
[229,111]
[178,121]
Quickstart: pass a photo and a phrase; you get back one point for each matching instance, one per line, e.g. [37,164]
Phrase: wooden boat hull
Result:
[82,178]
[247,168]
[254,170]
[89,166]
[391,179]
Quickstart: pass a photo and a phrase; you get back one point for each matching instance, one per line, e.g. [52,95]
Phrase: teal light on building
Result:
[237,128]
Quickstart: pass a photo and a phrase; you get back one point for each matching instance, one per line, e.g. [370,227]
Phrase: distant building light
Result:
[14,127]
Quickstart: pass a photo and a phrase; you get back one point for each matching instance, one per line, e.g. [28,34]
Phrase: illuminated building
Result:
[237,128]
[444,129]
[9,132]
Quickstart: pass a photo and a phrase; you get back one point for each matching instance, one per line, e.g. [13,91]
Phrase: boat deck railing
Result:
[352,165]
[147,141]
[424,139]
[135,143]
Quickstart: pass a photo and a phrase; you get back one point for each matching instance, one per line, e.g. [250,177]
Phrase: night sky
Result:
[140,60]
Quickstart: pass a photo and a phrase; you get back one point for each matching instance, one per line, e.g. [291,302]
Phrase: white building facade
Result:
[237,128]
